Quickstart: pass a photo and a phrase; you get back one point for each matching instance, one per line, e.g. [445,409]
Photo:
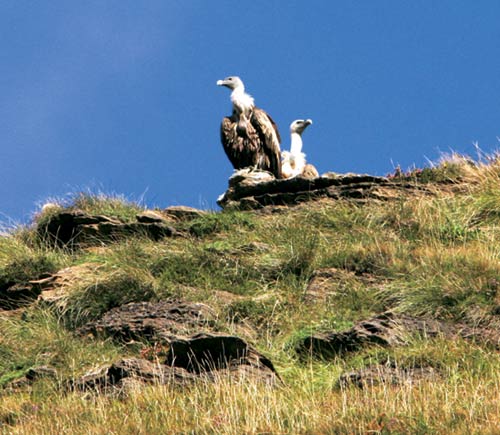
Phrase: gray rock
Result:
[389,329]
[152,321]
[152,216]
[201,357]
[183,213]
[138,369]
[209,353]
[381,330]
[73,228]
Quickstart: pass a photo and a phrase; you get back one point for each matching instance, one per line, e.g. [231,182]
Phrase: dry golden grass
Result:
[460,404]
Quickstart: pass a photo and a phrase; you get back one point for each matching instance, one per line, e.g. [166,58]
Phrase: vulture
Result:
[294,161]
[249,136]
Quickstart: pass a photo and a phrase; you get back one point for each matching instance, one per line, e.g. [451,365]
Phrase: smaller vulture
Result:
[294,161]
[249,136]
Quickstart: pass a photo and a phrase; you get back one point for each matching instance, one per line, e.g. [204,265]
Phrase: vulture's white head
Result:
[232,82]
[299,125]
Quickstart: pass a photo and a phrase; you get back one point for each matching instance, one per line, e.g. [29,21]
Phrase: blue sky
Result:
[120,96]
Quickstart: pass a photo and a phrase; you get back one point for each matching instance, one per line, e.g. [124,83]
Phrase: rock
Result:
[389,329]
[254,247]
[249,177]
[152,216]
[201,357]
[70,228]
[207,353]
[183,213]
[383,374]
[40,372]
[53,288]
[138,369]
[31,376]
[153,321]
[13,296]
[381,330]
[247,192]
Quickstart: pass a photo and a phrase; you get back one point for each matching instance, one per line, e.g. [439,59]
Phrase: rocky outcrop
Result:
[69,228]
[382,330]
[182,345]
[32,374]
[131,369]
[207,352]
[251,190]
[389,329]
[49,289]
[208,357]
[183,213]
[152,321]
[16,295]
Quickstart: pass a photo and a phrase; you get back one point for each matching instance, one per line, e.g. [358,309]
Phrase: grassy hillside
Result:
[433,255]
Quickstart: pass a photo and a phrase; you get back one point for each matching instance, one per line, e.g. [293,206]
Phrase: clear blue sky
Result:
[120,96]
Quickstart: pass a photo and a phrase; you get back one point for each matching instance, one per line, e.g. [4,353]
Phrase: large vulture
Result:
[249,136]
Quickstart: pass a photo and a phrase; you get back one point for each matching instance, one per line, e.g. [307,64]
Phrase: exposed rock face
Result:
[207,352]
[13,296]
[153,216]
[204,356]
[184,353]
[382,330]
[76,227]
[388,329]
[48,289]
[138,369]
[54,287]
[247,191]
[153,321]
[183,213]
[383,374]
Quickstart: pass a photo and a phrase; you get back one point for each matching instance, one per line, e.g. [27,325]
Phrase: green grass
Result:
[430,254]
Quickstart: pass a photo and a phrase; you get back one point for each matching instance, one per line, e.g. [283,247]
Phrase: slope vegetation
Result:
[343,315]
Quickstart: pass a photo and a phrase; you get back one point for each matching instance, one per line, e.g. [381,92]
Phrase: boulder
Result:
[41,372]
[153,216]
[73,228]
[381,330]
[209,353]
[152,321]
[183,213]
[389,329]
[137,369]
[53,288]
[33,374]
